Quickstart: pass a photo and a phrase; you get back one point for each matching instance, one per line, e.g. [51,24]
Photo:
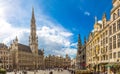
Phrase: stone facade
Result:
[73,63]
[27,57]
[102,48]
[83,58]
[57,62]
[81,55]
[5,57]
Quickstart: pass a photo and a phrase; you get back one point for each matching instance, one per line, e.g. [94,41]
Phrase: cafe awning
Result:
[114,64]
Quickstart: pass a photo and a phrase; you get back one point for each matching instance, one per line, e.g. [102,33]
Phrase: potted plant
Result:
[2,71]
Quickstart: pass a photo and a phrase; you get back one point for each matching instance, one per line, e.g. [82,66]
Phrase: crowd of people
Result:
[51,71]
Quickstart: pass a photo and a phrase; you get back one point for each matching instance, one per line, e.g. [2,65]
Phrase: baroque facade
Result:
[27,57]
[83,56]
[53,61]
[5,57]
[103,45]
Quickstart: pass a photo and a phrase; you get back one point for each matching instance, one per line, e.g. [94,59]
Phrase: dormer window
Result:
[114,16]
[114,27]
[110,30]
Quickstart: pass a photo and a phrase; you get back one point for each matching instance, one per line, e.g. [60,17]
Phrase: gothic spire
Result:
[16,39]
[33,41]
[79,42]
[32,11]
[33,16]
[33,26]
[104,16]
[84,40]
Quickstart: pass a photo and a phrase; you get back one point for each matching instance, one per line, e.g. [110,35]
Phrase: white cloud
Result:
[55,35]
[87,13]
[52,36]
[8,32]
[100,21]
[74,44]
[70,51]
[56,40]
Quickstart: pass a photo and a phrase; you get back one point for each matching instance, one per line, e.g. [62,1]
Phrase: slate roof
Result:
[24,48]
[3,45]
[40,52]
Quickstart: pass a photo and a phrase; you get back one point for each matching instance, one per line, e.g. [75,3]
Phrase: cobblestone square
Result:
[43,72]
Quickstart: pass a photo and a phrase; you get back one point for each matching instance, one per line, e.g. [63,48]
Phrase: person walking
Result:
[51,72]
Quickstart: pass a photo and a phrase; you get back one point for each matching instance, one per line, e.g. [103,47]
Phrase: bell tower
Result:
[79,45]
[33,39]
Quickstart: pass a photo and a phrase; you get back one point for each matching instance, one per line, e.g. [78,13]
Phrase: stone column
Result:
[97,67]
[100,68]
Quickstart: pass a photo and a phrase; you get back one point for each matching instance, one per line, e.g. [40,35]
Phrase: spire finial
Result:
[104,15]
[96,19]
[32,12]
[32,9]
[79,42]
[85,40]
[16,38]
[78,36]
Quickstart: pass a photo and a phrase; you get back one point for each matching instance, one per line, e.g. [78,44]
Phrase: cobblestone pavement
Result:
[43,72]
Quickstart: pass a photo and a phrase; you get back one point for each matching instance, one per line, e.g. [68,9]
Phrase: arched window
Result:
[118,25]
[114,16]
[103,24]
[118,12]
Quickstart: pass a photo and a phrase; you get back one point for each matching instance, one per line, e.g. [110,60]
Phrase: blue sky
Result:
[58,22]
[76,15]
